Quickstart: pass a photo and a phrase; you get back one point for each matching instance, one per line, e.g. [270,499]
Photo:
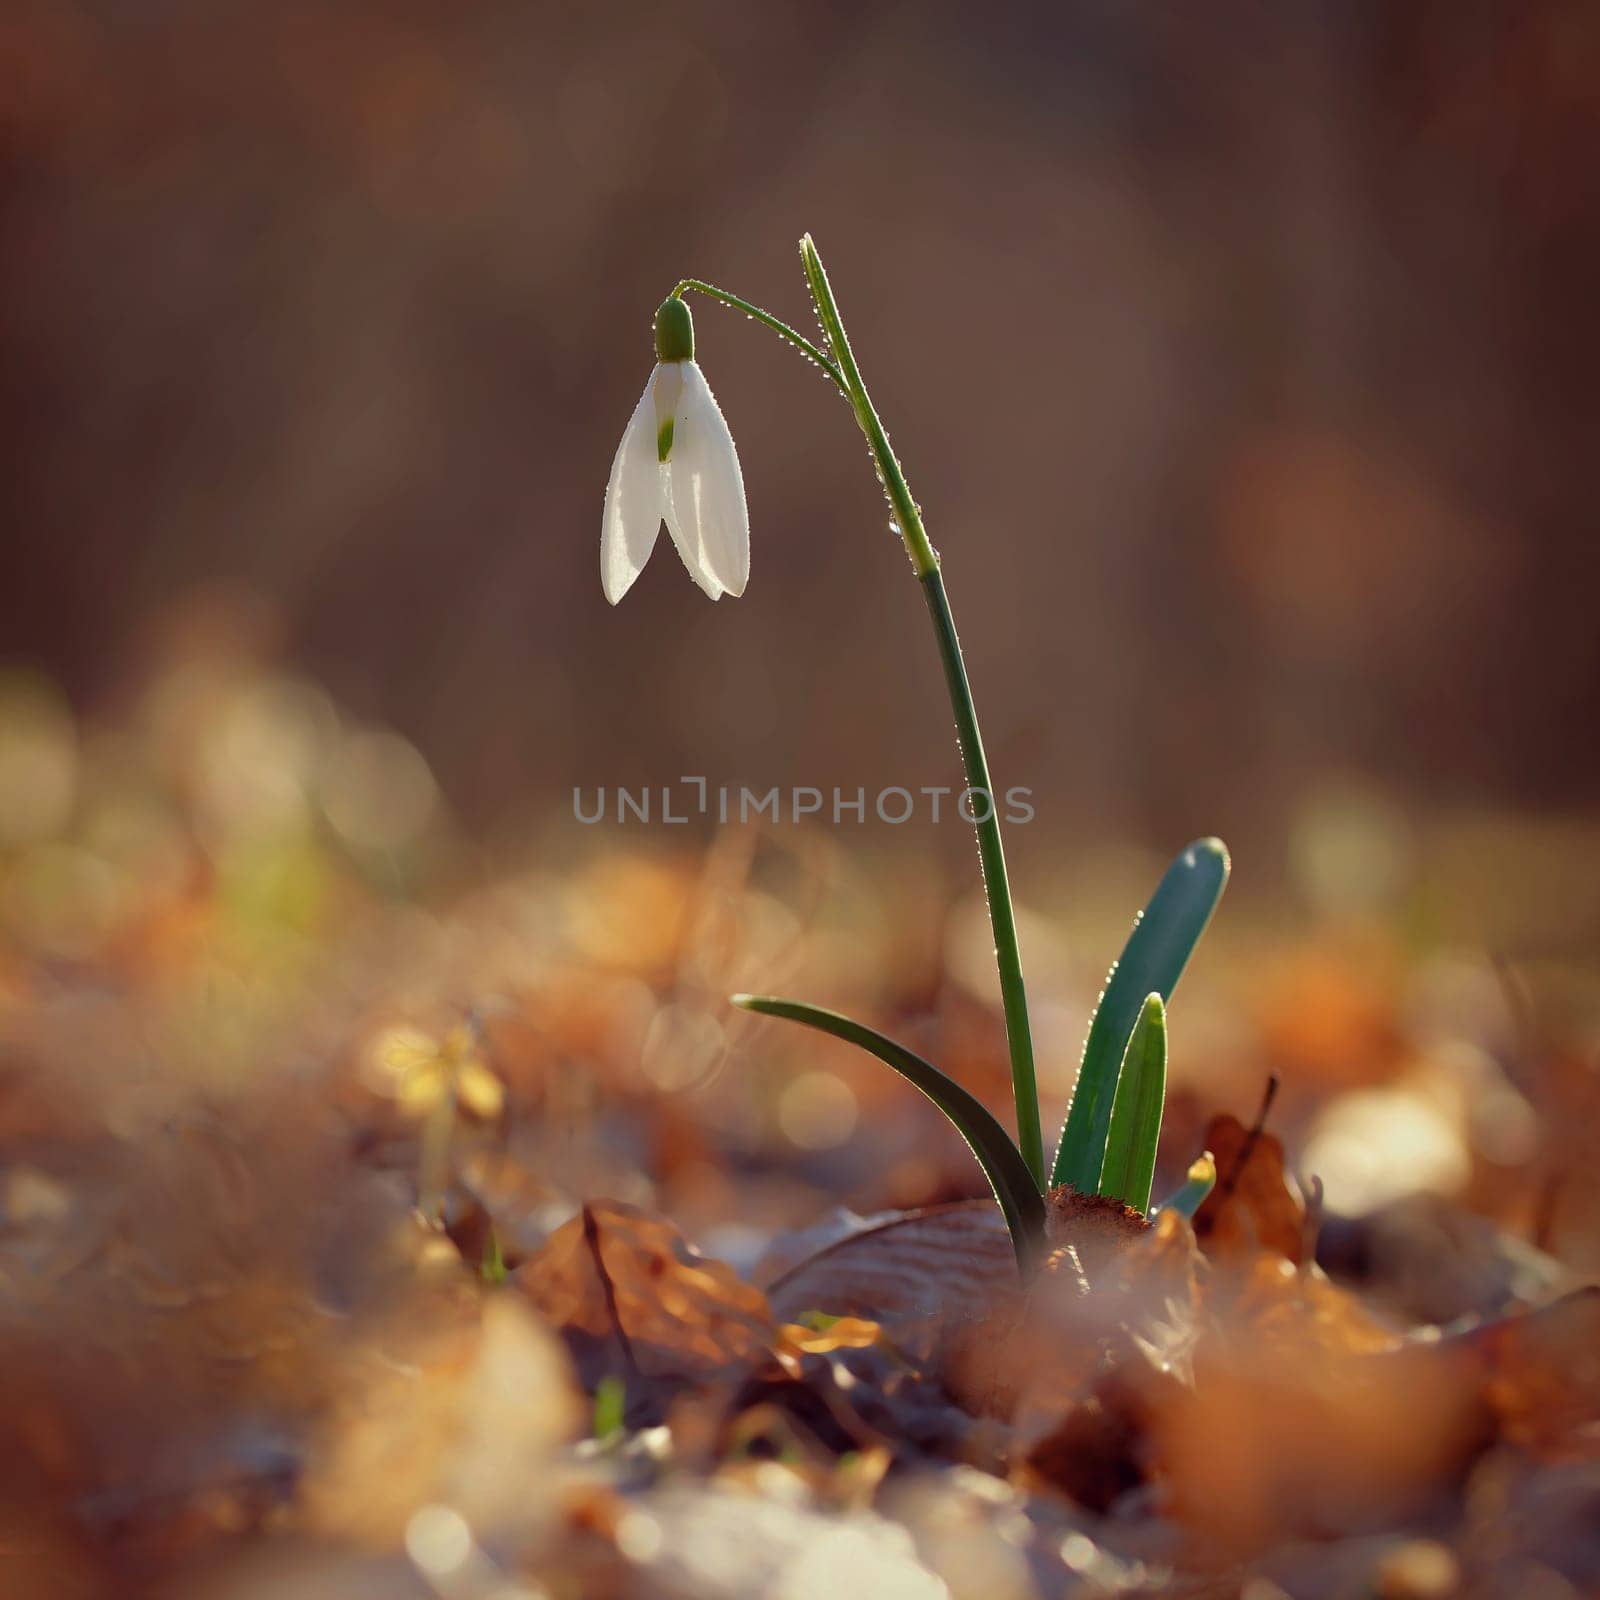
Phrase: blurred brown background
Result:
[1241,356]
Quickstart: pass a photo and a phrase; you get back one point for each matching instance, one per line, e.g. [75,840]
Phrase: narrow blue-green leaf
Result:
[1201,1181]
[1130,1164]
[1152,961]
[1000,1159]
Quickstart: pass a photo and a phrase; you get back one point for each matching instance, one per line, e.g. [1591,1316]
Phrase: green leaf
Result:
[1163,938]
[492,1268]
[1000,1159]
[610,1405]
[1130,1162]
[1201,1181]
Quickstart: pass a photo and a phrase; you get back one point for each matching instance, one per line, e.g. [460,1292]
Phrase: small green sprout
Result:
[1109,1141]
[492,1267]
[1130,1158]
[1187,1200]
[610,1406]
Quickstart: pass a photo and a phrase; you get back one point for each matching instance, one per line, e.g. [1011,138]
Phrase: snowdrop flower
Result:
[677,464]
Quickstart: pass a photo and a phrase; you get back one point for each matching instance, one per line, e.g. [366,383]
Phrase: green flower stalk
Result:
[991,853]
[838,363]
[677,464]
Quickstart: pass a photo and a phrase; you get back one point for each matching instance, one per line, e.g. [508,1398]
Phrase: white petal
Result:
[687,544]
[668,389]
[706,511]
[635,501]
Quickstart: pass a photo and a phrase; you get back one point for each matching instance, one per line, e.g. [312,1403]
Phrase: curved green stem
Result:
[925,562]
[907,515]
[1015,1187]
[778,326]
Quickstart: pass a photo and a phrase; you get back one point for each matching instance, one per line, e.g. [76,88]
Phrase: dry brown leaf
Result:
[843,1333]
[1544,1375]
[1307,1416]
[951,1261]
[632,1298]
[1276,1439]
[1116,1378]
[793,1247]
[1300,1309]
[1252,1207]
[857,1397]
[945,1280]
[1424,1259]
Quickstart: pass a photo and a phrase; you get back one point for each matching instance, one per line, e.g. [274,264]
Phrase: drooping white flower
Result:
[676,464]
